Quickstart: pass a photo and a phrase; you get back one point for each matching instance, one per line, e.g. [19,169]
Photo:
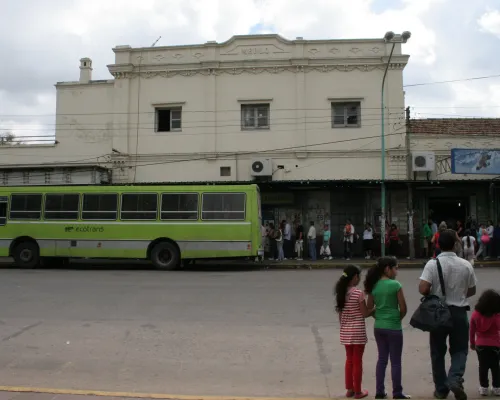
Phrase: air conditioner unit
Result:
[261,167]
[423,161]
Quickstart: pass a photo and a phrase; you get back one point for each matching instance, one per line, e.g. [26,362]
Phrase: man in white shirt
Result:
[311,239]
[287,236]
[460,284]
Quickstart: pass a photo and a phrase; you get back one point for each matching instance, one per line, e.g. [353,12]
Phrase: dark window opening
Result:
[225,171]
[100,207]
[255,116]
[168,120]
[179,206]
[62,206]
[26,206]
[139,206]
[3,212]
[346,115]
[223,206]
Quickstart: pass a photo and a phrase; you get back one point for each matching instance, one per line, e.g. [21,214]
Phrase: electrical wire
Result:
[453,81]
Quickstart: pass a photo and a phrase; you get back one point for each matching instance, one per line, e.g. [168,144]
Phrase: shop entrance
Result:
[449,210]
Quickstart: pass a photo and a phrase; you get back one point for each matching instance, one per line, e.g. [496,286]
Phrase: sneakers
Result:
[458,391]
[381,396]
[495,391]
[440,396]
[349,394]
[484,391]
[361,395]
[401,396]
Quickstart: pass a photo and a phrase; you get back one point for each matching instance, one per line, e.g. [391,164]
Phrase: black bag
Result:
[433,313]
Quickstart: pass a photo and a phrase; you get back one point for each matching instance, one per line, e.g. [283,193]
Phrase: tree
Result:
[8,139]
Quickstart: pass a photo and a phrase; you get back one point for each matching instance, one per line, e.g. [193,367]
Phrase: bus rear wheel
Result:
[26,255]
[165,256]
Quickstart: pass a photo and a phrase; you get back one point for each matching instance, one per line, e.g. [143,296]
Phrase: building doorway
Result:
[449,210]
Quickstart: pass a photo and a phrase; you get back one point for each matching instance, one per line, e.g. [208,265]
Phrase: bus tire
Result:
[165,256]
[26,255]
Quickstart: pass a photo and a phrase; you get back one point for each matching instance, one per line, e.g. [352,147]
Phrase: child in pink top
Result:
[485,340]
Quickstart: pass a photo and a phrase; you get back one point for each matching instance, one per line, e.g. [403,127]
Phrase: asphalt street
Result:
[237,333]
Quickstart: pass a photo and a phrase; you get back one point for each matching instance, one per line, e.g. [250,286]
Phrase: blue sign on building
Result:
[475,161]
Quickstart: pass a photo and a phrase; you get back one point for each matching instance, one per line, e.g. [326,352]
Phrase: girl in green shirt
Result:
[386,295]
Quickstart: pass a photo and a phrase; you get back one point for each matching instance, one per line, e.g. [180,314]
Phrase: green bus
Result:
[165,224]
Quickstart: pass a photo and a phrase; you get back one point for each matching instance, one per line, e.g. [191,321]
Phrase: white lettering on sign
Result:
[255,50]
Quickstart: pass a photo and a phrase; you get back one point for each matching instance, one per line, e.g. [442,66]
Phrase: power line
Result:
[453,81]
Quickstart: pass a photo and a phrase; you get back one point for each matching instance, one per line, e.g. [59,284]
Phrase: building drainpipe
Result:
[411,231]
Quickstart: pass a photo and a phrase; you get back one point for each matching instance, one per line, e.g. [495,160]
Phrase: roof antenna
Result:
[156,41]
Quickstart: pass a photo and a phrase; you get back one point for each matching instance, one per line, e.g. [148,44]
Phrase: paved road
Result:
[245,333]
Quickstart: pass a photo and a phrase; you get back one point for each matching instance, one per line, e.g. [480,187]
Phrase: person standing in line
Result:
[427,235]
[299,241]
[352,310]
[433,226]
[460,284]
[311,241]
[485,340]
[287,237]
[325,248]
[264,230]
[435,238]
[279,243]
[460,229]
[489,246]
[348,239]
[385,295]
[469,245]
[394,241]
[271,234]
[483,239]
[368,241]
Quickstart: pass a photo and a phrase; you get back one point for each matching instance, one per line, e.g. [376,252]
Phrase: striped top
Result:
[352,322]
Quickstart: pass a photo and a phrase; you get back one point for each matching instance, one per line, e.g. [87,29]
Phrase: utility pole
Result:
[409,174]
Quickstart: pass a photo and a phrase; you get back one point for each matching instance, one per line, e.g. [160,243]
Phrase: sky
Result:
[42,41]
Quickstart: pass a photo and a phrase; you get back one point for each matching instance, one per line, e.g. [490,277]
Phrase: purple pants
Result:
[390,346]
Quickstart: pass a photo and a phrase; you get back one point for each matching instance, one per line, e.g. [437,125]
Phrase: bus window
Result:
[139,206]
[223,206]
[179,206]
[3,210]
[62,206]
[26,206]
[100,207]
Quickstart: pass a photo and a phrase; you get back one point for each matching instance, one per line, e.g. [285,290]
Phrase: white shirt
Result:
[472,241]
[458,277]
[368,234]
[288,232]
[263,231]
[489,231]
[312,233]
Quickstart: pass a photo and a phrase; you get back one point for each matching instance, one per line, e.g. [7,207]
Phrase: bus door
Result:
[3,210]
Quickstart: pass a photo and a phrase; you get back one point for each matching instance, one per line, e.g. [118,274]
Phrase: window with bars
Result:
[346,115]
[25,206]
[223,206]
[3,210]
[168,119]
[62,206]
[255,116]
[100,206]
[179,206]
[139,206]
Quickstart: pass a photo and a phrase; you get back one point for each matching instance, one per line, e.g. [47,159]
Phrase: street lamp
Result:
[388,37]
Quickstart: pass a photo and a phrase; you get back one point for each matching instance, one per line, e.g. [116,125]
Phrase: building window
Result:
[254,116]
[346,115]
[223,206]
[168,119]
[3,210]
[62,206]
[139,206]
[100,207]
[225,171]
[179,206]
[26,206]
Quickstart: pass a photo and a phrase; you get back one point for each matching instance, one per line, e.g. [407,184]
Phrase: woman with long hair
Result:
[469,245]
[352,310]
[385,295]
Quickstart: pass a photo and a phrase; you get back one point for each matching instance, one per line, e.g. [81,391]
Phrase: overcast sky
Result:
[43,40]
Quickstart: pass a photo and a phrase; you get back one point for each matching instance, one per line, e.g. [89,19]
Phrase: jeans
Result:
[281,255]
[347,249]
[312,249]
[287,248]
[389,345]
[489,359]
[354,367]
[458,337]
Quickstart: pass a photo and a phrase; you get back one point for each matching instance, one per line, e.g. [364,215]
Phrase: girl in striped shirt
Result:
[352,310]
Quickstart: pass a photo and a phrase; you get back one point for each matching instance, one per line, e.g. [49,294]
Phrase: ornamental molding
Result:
[217,71]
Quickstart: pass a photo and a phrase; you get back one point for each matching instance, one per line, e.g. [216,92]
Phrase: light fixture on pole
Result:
[388,37]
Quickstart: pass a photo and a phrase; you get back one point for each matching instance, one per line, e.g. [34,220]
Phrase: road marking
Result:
[21,389]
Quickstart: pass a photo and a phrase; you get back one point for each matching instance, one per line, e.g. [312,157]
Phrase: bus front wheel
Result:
[27,255]
[165,256]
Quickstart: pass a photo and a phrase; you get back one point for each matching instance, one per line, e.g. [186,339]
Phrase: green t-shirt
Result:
[385,296]
[326,236]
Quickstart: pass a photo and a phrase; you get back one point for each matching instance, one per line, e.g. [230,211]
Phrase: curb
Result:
[71,392]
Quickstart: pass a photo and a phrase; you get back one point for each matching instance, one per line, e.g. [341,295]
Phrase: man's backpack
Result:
[433,313]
